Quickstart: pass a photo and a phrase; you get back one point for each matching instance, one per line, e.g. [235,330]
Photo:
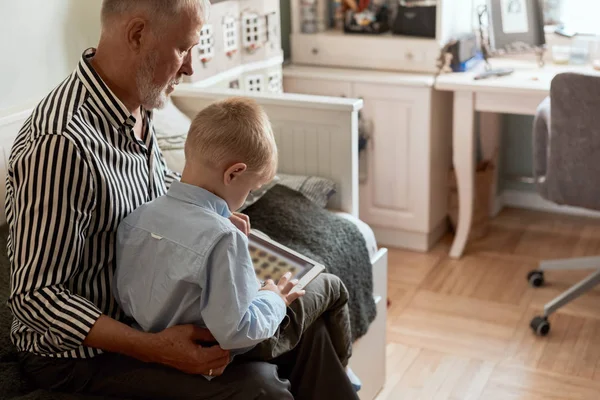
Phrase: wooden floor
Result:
[460,329]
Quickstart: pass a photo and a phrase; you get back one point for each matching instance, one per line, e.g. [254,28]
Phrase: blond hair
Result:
[231,131]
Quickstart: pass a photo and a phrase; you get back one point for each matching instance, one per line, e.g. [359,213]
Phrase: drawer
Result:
[365,51]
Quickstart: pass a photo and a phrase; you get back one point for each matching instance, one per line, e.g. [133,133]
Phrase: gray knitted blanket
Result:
[294,221]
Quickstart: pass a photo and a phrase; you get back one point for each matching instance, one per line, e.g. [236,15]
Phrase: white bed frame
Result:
[315,135]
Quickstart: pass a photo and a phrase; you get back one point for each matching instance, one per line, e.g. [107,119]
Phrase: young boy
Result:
[180,260]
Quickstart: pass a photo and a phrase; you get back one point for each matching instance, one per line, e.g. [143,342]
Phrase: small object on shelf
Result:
[580,51]
[368,18]
[416,18]
[313,16]
[561,54]
[351,4]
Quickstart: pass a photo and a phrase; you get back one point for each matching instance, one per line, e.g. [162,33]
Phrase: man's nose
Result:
[186,67]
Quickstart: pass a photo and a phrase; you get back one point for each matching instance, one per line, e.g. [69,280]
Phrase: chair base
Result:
[540,324]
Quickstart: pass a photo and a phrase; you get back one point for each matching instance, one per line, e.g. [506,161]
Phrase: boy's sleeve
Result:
[234,310]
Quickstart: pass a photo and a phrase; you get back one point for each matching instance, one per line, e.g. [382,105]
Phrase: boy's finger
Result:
[294,296]
[283,281]
[289,286]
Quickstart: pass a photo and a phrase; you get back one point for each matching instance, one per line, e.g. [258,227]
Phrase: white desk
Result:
[519,93]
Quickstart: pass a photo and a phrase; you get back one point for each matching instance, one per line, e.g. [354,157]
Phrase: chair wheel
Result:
[540,326]
[536,278]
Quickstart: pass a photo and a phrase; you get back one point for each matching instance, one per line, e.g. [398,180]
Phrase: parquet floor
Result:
[459,329]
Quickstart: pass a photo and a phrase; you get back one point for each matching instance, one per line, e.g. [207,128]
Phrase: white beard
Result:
[152,96]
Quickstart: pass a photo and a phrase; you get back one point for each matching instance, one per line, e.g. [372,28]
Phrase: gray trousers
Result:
[326,297]
[312,367]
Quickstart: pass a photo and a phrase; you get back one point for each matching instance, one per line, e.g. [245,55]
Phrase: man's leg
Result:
[113,375]
[314,369]
[326,297]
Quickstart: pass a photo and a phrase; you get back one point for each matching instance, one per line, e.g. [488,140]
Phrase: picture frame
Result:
[516,26]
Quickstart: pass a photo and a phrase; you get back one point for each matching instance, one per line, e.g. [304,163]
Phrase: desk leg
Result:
[463,157]
[490,128]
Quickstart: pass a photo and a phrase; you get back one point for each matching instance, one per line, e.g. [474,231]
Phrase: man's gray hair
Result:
[161,9]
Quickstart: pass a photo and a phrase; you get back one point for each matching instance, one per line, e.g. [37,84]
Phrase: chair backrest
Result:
[573,158]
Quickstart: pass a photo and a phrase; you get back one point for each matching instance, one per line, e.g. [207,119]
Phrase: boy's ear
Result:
[234,172]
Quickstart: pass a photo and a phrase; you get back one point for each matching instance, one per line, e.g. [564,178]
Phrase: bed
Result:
[315,136]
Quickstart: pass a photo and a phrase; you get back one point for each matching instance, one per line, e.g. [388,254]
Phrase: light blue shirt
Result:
[180,260]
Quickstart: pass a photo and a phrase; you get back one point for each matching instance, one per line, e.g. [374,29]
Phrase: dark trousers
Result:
[312,367]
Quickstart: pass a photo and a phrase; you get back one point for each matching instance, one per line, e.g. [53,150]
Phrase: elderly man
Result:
[86,158]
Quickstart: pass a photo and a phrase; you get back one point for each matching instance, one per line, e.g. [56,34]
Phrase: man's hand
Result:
[241,221]
[177,347]
[283,288]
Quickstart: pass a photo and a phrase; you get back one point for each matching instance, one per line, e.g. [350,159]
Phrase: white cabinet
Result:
[408,155]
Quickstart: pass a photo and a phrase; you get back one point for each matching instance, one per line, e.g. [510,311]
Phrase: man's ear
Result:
[234,172]
[135,31]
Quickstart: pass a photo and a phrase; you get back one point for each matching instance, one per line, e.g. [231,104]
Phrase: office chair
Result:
[566,142]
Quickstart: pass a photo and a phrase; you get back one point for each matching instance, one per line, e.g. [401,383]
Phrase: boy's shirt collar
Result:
[200,197]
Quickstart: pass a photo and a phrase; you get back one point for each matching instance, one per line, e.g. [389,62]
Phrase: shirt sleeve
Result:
[52,191]
[234,310]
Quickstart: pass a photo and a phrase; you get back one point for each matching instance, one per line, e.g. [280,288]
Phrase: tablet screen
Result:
[271,261]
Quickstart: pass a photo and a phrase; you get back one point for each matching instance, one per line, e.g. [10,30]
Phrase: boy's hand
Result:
[283,288]
[241,221]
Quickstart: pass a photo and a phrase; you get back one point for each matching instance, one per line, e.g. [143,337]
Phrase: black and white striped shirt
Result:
[75,171]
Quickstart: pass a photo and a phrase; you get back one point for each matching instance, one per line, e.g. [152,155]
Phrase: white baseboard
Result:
[533,201]
[415,241]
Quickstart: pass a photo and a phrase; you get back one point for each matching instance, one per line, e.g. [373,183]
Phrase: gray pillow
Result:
[255,195]
[171,127]
[316,189]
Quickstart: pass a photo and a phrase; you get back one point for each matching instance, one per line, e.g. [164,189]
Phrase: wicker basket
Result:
[484,178]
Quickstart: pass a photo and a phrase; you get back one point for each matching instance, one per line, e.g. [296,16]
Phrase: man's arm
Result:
[175,346]
[52,192]
[53,199]
[234,310]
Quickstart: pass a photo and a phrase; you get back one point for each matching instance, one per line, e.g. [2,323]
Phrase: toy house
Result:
[240,47]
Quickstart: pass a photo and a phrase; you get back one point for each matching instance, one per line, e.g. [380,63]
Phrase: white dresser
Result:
[408,155]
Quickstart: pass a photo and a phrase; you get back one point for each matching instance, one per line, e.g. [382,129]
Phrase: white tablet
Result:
[271,260]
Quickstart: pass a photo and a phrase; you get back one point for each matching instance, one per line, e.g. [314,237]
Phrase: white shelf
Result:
[379,52]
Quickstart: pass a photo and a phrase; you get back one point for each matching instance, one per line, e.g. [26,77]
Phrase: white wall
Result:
[40,44]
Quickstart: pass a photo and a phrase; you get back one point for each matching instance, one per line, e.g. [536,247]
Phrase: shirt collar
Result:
[200,197]
[108,103]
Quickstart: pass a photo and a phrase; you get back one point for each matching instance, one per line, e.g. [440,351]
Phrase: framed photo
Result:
[516,25]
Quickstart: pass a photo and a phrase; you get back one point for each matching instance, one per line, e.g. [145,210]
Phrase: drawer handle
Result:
[315,51]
